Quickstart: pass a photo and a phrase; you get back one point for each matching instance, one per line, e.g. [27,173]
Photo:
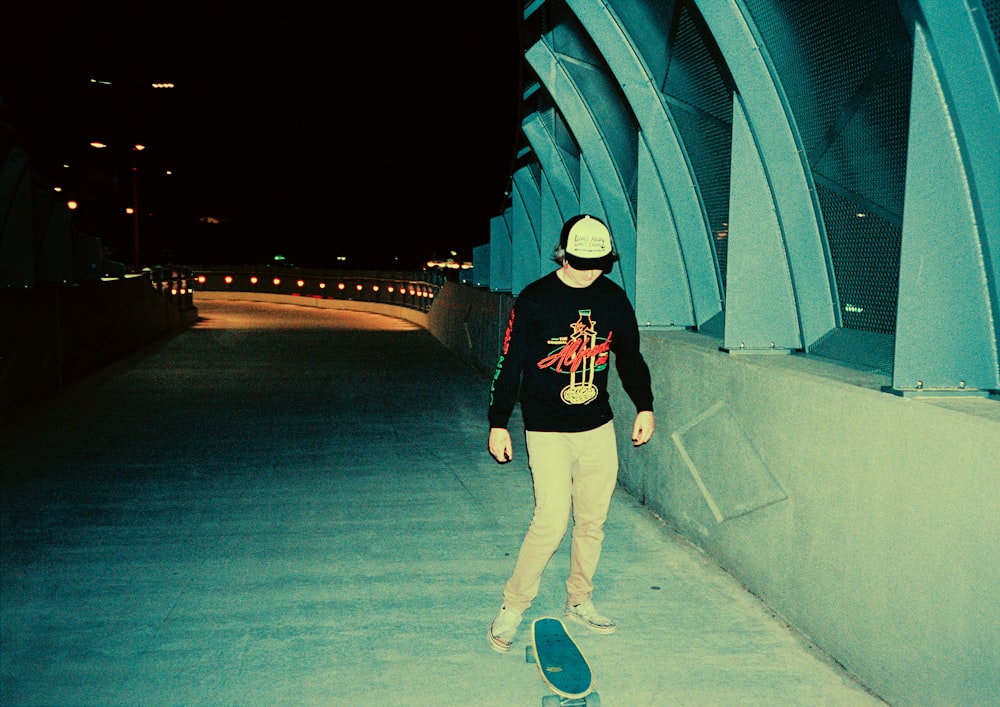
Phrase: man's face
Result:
[579,278]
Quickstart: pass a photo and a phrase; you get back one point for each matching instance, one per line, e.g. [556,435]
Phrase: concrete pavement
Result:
[294,506]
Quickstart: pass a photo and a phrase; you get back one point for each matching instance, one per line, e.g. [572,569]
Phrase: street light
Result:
[135,204]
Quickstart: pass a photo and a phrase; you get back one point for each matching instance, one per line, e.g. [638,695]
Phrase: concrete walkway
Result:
[295,506]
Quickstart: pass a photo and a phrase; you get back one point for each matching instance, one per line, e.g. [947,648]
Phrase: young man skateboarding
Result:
[561,333]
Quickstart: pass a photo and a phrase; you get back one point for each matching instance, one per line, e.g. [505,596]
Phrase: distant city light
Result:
[71,205]
[449,264]
[162,85]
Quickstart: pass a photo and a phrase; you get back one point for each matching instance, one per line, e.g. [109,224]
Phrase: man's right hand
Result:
[500,446]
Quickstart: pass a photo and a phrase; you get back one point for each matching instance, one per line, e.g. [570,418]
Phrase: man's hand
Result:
[500,446]
[642,428]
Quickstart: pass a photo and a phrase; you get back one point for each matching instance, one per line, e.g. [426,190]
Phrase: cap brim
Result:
[604,263]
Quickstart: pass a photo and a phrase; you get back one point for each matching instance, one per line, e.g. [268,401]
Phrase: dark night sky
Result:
[312,133]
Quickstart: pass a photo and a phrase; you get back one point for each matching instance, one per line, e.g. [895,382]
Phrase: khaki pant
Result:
[571,471]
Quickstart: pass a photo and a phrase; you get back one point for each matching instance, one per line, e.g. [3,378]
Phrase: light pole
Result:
[135,205]
[134,166]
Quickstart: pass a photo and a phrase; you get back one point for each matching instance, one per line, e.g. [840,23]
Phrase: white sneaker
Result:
[590,617]
[503,629]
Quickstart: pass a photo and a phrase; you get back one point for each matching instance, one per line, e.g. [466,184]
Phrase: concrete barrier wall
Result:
[30,347]
[471,322]
[52,336]
[869,521]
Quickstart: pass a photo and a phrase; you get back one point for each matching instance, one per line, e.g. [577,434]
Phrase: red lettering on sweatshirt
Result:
[574,353]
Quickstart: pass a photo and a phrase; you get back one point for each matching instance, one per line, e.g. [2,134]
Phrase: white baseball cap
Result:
[587,243]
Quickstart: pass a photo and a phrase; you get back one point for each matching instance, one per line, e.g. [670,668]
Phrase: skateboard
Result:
[562,665]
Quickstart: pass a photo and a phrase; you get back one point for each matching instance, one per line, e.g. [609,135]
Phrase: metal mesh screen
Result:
[647,23]
[845,71]
[992,10]
[699,94]
[865,257]
[868,155]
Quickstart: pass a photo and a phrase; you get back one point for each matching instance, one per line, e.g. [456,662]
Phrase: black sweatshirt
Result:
[556,349]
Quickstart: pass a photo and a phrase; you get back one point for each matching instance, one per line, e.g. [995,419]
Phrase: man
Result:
[561,333]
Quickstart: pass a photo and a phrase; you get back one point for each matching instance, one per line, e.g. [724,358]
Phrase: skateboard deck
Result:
[562,665]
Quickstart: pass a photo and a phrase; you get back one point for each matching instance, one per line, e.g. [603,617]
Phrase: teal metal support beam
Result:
[677,278]
[553,164]
[501,253]
[761,313]
[481,264]
[602,191]
[788,174]
[663,292]
[946,340]
[526,260]
[965,47]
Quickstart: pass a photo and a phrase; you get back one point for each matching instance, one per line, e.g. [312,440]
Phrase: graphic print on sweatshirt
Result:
[579,355]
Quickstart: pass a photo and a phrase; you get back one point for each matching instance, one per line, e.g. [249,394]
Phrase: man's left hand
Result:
[642,428]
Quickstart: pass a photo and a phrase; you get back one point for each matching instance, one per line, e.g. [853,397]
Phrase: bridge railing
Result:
[415,290]
[174,283]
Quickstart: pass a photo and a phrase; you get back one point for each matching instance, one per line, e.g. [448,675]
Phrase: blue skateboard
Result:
[562,665]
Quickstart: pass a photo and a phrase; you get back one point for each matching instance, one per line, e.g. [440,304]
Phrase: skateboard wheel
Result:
[529,654]
[591,700]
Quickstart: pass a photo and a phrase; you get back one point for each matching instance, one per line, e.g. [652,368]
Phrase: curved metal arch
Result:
[539,203]
[970,64]
[787,174]
[672,231]
[559,196]
[602,191]
[549,156]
